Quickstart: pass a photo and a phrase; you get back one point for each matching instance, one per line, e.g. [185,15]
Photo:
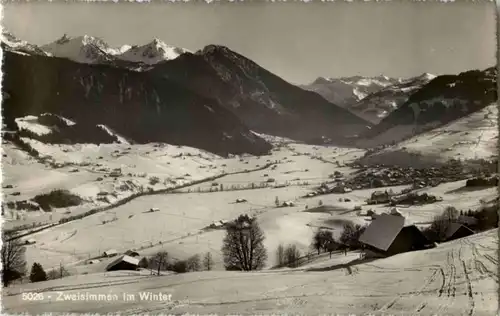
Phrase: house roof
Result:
[124,258]
[454,227]
[382,231]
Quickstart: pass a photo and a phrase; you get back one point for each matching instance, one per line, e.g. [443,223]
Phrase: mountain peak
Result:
[86,49]
[322,80]
[213,48]
[152,53]
[427,76]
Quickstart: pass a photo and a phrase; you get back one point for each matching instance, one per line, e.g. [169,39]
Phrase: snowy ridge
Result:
[65,120]
[121,139]
[152,53]
[30,123]
[15,45]
[93,50]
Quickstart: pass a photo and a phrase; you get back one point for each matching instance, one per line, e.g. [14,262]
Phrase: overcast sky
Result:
[297,41]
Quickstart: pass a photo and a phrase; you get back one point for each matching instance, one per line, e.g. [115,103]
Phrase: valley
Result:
[152,153]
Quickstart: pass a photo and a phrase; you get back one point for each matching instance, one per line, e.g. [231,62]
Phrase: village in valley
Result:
[150,179]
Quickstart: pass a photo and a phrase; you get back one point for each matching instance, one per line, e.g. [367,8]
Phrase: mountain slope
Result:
[132,104]
[442,100]
[263,101]
[472,137]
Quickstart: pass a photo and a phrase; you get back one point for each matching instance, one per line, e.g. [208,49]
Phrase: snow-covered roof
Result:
[382,231]
[124,258]
[110,251]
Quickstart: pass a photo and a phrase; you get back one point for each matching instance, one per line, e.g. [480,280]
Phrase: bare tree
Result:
[292,255]
[13,260]
[160,260]
[194,263]
[58,273]
[350,236]
[332,246]
[320,239]
[208,261]
[441,223]
[280,255]
[243,245]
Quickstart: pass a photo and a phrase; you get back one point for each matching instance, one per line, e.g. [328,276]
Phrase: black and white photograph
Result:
[249,157]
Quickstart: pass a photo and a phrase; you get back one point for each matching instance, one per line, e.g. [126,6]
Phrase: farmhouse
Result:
[387,235]
[123,263]
[216,224]
[110,253]
[456,231]
[379,197]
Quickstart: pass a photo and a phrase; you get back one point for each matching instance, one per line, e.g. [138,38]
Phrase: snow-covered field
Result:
[87,170]
[179,227]
[469,138]
[456,278]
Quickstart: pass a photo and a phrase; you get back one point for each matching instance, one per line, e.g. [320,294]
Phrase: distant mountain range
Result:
[371,98]
[443,99]
[93,50]
[345,91]
[212,99]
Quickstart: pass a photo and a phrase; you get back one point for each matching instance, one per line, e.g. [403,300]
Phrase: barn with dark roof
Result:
[387,235]
[456,231]
[123,263]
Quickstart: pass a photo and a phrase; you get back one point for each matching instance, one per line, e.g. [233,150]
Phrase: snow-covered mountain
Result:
[443,99]
[15,45]
[152,53]
[378,105]
[93,50]
[346,91]
[83,49]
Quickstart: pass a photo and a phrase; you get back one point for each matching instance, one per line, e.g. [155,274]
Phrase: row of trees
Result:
[161,261]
